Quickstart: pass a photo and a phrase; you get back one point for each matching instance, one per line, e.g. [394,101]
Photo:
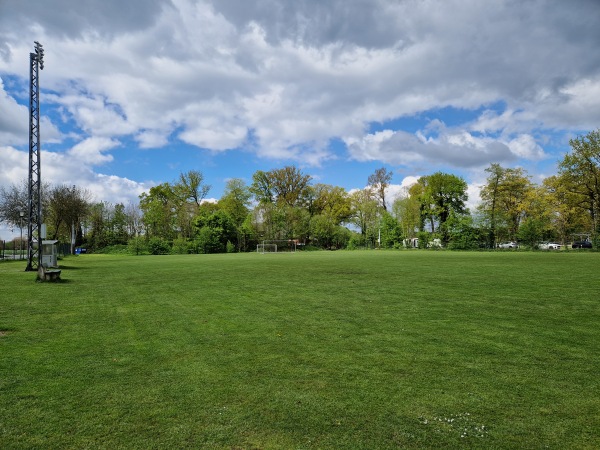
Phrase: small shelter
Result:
[50,253]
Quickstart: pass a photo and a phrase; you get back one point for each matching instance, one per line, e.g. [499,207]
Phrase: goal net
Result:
[277,246]
[266,248]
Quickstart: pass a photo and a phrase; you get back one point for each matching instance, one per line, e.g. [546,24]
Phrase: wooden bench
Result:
[45,274]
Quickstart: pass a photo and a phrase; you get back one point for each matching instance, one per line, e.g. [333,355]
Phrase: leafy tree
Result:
[67,206]
[159,206]
[390,231]
[287,186]
[464,234]
[505,199]
[379,181]
[191,187]
[489,195]
[407,211]
[137,245]
[262,188]
[580,173]
[236,200]
[97,226]
[364,211]
[531,231]
[214,231]
[323,229]
[236,203]
[443,194]
[290,186]
[567,216]
[332,201]
[282,195]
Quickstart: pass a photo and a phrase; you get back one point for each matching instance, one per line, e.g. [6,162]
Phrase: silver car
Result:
[508,245]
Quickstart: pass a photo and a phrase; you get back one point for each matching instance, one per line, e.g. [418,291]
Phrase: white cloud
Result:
[91,151]
[457,148]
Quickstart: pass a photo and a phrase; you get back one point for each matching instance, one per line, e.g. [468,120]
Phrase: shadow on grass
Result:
[59,281]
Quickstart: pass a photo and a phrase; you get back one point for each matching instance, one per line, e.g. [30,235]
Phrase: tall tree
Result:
[580,172]
[262,187]
[443,195]
[236,203]
[236,200]
[66,209]
[191,187]
[364,211]
[566,214]
[289,186]
[332,201]
[159,206]
[489,195]
[406,210]
[282,196]
[13,202]
[505,199]
[379,181]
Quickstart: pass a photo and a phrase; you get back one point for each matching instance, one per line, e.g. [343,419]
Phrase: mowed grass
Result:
[325,350]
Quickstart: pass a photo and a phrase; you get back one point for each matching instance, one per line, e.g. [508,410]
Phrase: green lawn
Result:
[323,350]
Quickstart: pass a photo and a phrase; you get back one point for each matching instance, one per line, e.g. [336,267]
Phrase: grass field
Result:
[323,350]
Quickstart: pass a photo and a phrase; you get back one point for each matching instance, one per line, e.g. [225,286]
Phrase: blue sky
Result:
[135,93]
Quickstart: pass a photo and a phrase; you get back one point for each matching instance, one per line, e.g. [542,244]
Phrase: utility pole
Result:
[34,201]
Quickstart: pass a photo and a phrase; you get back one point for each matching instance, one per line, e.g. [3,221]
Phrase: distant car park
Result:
[582,244]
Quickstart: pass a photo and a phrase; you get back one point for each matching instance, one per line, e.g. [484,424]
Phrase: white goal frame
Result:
[277,246]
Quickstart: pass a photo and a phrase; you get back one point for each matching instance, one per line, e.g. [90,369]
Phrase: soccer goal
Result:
[277,246]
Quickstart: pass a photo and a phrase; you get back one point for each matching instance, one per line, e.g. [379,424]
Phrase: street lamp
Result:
[21,215]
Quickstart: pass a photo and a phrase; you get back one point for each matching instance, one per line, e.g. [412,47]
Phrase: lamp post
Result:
[21,215]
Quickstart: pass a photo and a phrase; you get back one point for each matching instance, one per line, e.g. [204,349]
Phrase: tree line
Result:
[285,204]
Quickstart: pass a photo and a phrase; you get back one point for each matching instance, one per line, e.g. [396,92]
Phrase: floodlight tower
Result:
[34,201]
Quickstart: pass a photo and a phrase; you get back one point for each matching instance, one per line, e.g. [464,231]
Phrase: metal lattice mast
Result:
[34,202]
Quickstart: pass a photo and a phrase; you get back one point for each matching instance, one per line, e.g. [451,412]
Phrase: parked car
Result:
[508,245]
[582,244]
[549,246]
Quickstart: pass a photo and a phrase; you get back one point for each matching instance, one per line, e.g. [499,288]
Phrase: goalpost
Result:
[277,246]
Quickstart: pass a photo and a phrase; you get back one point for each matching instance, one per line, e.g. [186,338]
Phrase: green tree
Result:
[443,194]
[191,188]
[567,217]
[214,231]
[159,206]
[364,212]
[579,171]
[390,231]
[407,211]
[236,203]
[332,201]
[504,200]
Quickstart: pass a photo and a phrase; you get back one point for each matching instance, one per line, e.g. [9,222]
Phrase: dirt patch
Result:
[4,333]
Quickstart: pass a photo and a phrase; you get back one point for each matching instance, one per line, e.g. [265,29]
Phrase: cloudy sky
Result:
[136,92]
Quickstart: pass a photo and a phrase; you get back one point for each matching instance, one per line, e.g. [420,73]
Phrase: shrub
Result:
[158,246]
[137,245]
[230,247]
